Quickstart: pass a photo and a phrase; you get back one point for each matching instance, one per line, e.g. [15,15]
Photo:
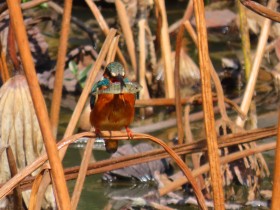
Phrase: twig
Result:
[261,10]
[14,171]
[246,46]
[59,73]
[144,94]
[127,32]
[82,174]
[276,176]
[209,121]
[166,50]
[39,104]
[178,104]
[112,50]
[5,75]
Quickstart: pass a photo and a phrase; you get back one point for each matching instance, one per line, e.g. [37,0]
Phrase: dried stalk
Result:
[205,71]
[105,28]
[189,137]
[178,104]
[246,46]
[82,174]
[35,196]
[112,50]
[5,75]
[276,177]
[14,171]
[39,104]
[165,49]
[261,10]
[59,72]
[144,94]
[127,32]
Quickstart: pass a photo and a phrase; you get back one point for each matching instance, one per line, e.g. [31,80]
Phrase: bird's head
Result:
[115,73]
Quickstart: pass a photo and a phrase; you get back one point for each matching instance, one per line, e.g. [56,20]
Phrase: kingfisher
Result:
[112,103]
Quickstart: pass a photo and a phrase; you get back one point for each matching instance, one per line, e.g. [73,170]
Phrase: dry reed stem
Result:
[24,6]
[179,39]
[112,50]
[178,105]
[246,46]
[5,75]
[205,72]
[39,104]
[189,137]
[144,93]
[224,141]
[226,159]
[127,32]
[250,87]
[35,196]
[60,64]
[82,174]
[261,10]
[14,171]
[105,28]
[165,49]
[276,176]
[191,31]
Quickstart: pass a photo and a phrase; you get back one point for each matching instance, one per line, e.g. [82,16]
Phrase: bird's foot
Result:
[129,133]
[97,133]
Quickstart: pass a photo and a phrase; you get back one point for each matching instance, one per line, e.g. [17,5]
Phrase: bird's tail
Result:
[111,146]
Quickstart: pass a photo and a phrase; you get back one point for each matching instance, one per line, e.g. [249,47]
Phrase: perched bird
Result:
[112,103]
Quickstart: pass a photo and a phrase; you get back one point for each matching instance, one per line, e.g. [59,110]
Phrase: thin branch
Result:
[59,73]
[261,10]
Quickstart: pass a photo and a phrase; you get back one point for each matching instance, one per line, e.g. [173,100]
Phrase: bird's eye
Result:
[113,74]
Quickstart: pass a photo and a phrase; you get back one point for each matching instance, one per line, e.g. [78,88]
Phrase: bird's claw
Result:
[129,133]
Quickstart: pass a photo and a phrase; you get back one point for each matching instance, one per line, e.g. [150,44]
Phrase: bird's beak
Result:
[120,79]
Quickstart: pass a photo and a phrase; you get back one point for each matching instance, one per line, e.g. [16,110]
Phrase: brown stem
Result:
[209,122]
[39,104]
[261,10]
[82,174]
[12,48]
[62,50]
[14,171]
[276,177]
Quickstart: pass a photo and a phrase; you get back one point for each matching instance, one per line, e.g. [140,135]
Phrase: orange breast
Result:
[113,111]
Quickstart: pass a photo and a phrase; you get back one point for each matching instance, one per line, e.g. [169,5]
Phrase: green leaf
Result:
[83,75]
[73,67]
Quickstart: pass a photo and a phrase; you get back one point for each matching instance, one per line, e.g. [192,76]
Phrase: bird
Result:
[112,103]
